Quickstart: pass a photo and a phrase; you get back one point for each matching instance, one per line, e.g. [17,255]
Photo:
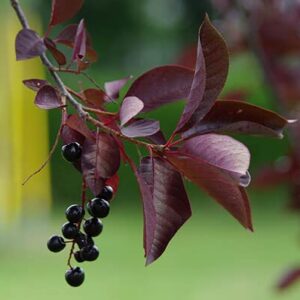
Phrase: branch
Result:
[65,93]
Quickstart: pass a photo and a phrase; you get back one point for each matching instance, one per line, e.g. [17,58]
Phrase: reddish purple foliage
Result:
[28,44]
[216,163]
[47,97]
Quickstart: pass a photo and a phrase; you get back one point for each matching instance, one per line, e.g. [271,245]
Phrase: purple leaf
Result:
[100,160]
[113,88]
[58,55]
[213,49]
[69,135]
[94,97]
[166,205]
[79,50]
[67,35]
[131,106]
[223,152]
[77,124]
[162,85]
[218,183]
[35,84]
[198,86]
[141,128]
[239,117]
[63,10]
[290,278]
[157,138]
[47,98]
[28,44]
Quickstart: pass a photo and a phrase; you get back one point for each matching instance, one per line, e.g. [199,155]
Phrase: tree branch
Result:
[65,93]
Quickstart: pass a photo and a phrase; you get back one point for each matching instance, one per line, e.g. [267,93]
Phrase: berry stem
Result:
[65,93]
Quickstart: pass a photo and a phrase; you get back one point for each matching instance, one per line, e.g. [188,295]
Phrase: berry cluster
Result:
[92,227]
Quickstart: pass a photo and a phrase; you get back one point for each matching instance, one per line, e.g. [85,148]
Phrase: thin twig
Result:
[44,164]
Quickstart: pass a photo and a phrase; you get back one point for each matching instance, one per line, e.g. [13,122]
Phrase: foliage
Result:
[197,149]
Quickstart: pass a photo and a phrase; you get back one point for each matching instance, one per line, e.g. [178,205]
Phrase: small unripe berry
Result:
[56,243]
[69,230]
[93,227]
[89,253]
[71,152]
[98,207]
[74,276]
[107,193]
[74,213]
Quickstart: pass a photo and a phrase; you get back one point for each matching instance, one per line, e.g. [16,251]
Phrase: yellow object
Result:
[23,132]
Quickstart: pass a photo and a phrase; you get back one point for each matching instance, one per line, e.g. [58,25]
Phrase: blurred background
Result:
[212,257]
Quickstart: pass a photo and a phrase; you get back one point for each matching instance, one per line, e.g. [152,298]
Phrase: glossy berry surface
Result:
[71,152]
[56,243]
[98,207]
[75,276]
[107,193]
[89,253]
[78,257]
[93,227]
[74,213]
[69,230]
[81,240]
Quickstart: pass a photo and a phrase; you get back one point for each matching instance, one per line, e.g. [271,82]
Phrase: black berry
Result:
[71,152]
[98,208]
[75,213]
[81,240]
[78,257]
[90,241]
[93,227]
[89,253]
[107,193]
[74,276]
[69,230]
[56,243]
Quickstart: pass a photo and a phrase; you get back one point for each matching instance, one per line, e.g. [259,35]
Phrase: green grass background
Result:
[212,256]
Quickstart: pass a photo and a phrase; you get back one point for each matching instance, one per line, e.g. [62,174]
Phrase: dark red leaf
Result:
[28,44]
[67,36]
[113,182]
[35,84]
[212,51]
[94,97]
[198,85]
[69,135]
[47,98]
[58,55]
[239,117]
[288,279]
[157,138]
[166,205]
[100,160]
[63,10]
[131,106]
[141,128]
[77,124]
[79,50]
[223,152]
[113,88]
[218,183]
[162,85]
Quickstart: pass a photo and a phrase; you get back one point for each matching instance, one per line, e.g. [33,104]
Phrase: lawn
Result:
[211,258]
